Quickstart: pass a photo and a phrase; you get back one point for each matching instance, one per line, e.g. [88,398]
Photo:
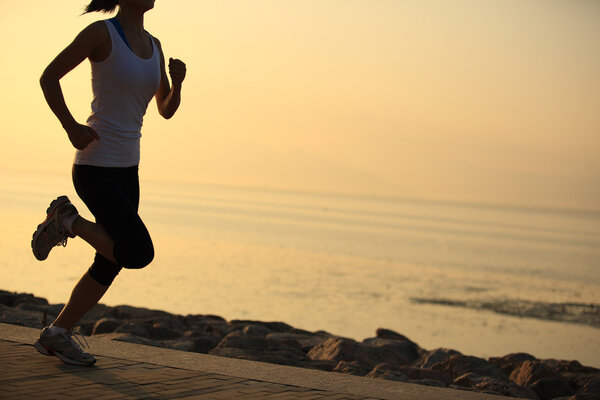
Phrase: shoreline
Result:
[388,355]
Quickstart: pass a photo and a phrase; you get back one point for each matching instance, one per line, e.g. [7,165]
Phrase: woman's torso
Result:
[123,84]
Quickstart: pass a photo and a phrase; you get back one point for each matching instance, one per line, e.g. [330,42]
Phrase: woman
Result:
[128,69]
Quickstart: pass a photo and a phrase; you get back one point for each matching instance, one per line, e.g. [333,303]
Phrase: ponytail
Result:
[104,6]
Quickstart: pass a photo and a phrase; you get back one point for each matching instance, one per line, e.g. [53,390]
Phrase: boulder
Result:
[10,315]
[351,367]
[383,333]
[550,388]
[469,379]
[592,386]
[105,325]
[238,345]
[394,351]
[158,332]
[511,361]
[387,371]
[133,328]
[458,365]
[425,374]
[572,366]
[530,371]
[128,312]
[204,344]
[428,358]
[323,365]
[306,340]
[207,323]
[10,299]
[492,385]
[271,326]
[173,323]
[255,330]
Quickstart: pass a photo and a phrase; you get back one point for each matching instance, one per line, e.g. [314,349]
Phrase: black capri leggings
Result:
[112,195]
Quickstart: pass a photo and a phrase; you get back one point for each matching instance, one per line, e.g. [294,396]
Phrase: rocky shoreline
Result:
[388,355]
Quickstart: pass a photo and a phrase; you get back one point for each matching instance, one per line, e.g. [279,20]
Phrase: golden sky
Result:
[479,100]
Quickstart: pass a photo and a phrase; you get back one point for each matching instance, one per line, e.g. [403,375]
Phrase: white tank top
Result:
[122,86]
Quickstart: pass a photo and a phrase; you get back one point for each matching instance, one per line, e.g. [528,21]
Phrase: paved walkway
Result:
[128,371]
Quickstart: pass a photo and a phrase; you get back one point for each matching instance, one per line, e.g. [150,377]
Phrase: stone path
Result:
[130,371]
[24,374]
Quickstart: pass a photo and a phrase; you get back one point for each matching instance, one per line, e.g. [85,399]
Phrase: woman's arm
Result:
[90,43]
[168,98]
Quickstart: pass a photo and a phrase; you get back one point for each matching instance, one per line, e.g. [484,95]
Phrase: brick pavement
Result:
[26,374]
[133,371]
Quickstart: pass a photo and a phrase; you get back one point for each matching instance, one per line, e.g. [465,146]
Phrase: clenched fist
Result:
[176,71]
[81,136]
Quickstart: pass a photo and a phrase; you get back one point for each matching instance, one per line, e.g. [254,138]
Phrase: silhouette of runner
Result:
[128,69]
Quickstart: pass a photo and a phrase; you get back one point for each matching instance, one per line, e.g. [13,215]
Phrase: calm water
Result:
[343,264]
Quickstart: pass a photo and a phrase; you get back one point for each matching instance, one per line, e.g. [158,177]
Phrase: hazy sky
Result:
[495,101]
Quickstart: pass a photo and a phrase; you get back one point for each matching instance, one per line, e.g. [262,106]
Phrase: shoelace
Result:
[60,229]
[77,343]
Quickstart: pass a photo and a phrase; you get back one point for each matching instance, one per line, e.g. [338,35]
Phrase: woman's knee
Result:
[135,253]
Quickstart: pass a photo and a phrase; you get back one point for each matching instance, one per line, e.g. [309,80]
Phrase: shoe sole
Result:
[40,228]
[49,352]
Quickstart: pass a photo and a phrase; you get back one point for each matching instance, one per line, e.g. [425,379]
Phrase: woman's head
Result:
[105,6]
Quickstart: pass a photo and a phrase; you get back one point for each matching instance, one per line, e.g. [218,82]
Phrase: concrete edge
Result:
[274,373]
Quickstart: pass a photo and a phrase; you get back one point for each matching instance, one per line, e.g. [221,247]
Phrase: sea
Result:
[345,264]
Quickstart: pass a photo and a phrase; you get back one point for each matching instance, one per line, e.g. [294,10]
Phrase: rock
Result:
[572,366]
[207,324]
[158,332]
[458,365]
[10,315]
[105,325]
[585,396]
[428,358]
[323,365]
[86,328]
[549,388]
[592,386]
[195,319]
[383,333]
[238,345]
[392,350]
[306,340]
[133,328]
[204,344]
[10,299]
[174,323]
[351,367]
[387,371]
[511,361]
[255,330]
[530,371]
[425,374]
[511,389]
[339,349]
[272,326]
[469,379]
[31,307]
[128,312]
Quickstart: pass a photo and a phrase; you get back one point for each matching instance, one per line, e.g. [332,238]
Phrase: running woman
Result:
[128,69]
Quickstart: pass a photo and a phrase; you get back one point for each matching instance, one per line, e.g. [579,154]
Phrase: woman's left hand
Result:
[176,71]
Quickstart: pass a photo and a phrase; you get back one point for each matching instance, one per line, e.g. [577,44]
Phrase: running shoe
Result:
[51,233]
[67,347]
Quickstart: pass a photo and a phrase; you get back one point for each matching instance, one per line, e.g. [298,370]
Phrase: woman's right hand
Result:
[81,136]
